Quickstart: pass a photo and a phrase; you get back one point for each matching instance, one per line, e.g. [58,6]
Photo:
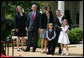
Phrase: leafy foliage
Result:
[75,35]
[9,7]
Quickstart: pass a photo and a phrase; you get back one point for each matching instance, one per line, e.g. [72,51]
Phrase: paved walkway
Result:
[75,51]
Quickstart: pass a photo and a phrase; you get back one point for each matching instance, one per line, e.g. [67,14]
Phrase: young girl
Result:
[63,37]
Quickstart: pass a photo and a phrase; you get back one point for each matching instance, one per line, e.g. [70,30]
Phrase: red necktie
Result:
[33,16]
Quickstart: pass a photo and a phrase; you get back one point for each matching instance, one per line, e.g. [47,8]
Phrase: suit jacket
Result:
[44,20]
[57,24]
[33,25]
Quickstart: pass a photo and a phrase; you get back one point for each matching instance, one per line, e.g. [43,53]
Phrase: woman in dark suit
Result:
[47,17]
[20,20]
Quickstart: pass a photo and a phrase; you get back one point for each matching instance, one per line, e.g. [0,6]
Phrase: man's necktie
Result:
[33,16]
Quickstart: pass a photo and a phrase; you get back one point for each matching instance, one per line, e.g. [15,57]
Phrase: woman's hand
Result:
[42,30]
[26,29]
[16,30]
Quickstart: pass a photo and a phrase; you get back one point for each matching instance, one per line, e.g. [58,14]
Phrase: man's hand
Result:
[26,29]
[62,16]
[66,31]
[16,30]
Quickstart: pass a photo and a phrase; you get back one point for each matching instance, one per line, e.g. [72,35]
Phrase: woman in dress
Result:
[20,20]
[47,17]
[63,37]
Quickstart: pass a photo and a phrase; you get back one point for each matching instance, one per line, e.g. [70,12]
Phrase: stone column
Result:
[61,6]
[81,15]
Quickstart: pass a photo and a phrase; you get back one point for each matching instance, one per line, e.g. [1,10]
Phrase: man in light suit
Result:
[33,25]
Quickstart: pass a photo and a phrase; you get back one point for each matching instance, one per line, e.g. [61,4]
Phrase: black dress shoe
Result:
[59,52]
[33,51]
[26,50]
[52,53]
[48,53]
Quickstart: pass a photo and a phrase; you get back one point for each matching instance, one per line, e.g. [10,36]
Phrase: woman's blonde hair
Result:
[17,8]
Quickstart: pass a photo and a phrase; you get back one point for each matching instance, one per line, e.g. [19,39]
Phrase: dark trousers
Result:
[56,39]
[51,46]
[32,35]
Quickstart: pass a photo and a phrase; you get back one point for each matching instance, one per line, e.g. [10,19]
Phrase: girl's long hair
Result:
[63,24]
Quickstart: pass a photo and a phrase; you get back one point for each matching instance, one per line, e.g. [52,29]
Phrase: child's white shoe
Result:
[62,53]
[67,53]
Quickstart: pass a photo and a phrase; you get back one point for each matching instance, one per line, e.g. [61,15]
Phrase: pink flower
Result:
[3,55]
[20,55]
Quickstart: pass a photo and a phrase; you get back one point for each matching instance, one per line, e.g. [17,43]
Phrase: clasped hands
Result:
[50,39]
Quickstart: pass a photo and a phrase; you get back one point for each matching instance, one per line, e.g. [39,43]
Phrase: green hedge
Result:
[75,35]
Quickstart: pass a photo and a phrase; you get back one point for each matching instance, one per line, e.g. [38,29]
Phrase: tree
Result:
[9,7]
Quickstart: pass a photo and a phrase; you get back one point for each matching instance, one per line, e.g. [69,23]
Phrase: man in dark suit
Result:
[33,24]
[57,24]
